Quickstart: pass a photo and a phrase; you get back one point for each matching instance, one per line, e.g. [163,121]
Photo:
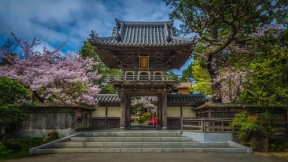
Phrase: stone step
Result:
[129,141]
[131,134]
[139,144]
[74,150]
[132,139]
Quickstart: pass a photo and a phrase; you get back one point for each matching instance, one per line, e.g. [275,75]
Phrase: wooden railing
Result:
[216,125]
[144,78]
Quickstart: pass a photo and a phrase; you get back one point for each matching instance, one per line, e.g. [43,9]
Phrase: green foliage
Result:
[87,51]
[218,24]
[25,143]
[171,75]
[11,93]
[10,116]
[202,78]
[254,130]
[144,117]
[268,80]
[279,146]
[187,74]
[245,126]
[108,89]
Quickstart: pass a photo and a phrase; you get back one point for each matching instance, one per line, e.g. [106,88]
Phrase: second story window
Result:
[129,75]
[144,76]
[158,76]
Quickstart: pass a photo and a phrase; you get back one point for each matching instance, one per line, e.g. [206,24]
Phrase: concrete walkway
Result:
[149,157]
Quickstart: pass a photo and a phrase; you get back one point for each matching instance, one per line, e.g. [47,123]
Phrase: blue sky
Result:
[71,21]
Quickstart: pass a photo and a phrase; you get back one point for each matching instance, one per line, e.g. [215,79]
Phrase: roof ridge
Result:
[103,38]
[110,94]
[182,38]
[169,22]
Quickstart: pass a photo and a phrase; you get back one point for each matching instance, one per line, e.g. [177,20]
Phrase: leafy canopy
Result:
[268,80]
[11,94]
[220,23]
[202,79]
[87,51]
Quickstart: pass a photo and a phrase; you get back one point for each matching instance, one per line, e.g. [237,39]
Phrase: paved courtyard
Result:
[150,157]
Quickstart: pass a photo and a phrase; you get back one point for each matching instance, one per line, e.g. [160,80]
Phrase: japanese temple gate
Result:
[144,51]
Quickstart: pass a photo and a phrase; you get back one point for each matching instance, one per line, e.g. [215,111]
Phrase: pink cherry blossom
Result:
[231,84]
[66,79]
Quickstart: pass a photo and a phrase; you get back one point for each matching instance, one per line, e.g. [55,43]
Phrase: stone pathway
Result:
[149,157]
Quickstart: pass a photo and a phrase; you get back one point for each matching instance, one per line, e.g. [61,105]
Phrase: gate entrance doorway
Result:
[144,113]
[143,110]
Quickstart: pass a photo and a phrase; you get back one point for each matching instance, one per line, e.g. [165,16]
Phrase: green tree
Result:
[218,23]
[202,79]
[186,75]
[11,94]
[171,75]
[268,80]
[87,51]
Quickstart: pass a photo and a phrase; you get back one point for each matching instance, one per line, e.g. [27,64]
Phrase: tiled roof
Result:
[128,33]
[211,105]
[185,85]
[108,98]
[171,99]
[185,99]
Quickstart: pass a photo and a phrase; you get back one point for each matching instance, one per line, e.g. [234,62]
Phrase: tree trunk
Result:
[212,67]
[36,95]
[213,71]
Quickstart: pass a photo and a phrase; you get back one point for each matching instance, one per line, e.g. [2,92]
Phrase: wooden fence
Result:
[222,125]
[207,125]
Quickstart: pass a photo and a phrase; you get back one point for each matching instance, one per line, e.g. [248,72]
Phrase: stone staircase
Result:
[133,141]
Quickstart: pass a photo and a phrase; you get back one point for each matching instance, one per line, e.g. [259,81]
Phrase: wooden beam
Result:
[164,109]
[181,111]
[123,108]
[106,115]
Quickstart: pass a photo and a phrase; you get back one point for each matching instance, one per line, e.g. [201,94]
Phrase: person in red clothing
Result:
[153,120]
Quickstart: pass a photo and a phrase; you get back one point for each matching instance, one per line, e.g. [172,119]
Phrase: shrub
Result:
[254,130]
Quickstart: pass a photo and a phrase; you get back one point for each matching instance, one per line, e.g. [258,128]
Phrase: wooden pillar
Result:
[209,114]
[181,111]
[106,115]
[123,108]
[159,111]
[181,116]
[164,109]
[128,112]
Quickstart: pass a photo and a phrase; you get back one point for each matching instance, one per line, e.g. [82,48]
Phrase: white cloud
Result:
[71,21]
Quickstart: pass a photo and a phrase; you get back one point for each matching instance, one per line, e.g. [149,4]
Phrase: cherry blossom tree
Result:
[145,102]
[232,81]
[52,77]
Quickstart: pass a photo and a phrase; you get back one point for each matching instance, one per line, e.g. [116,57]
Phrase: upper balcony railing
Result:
[144,78]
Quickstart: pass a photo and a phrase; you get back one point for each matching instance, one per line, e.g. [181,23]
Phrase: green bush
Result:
[254,130]
[279,146]
[245,126]
[12,93]
[24,143]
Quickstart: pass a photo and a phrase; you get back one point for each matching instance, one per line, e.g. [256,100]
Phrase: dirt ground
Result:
[280,155]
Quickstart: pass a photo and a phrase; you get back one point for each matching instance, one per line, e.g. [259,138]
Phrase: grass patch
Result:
[280,155]
[25,143]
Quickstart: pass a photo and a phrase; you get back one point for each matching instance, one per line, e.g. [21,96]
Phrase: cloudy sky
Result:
[71,21]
